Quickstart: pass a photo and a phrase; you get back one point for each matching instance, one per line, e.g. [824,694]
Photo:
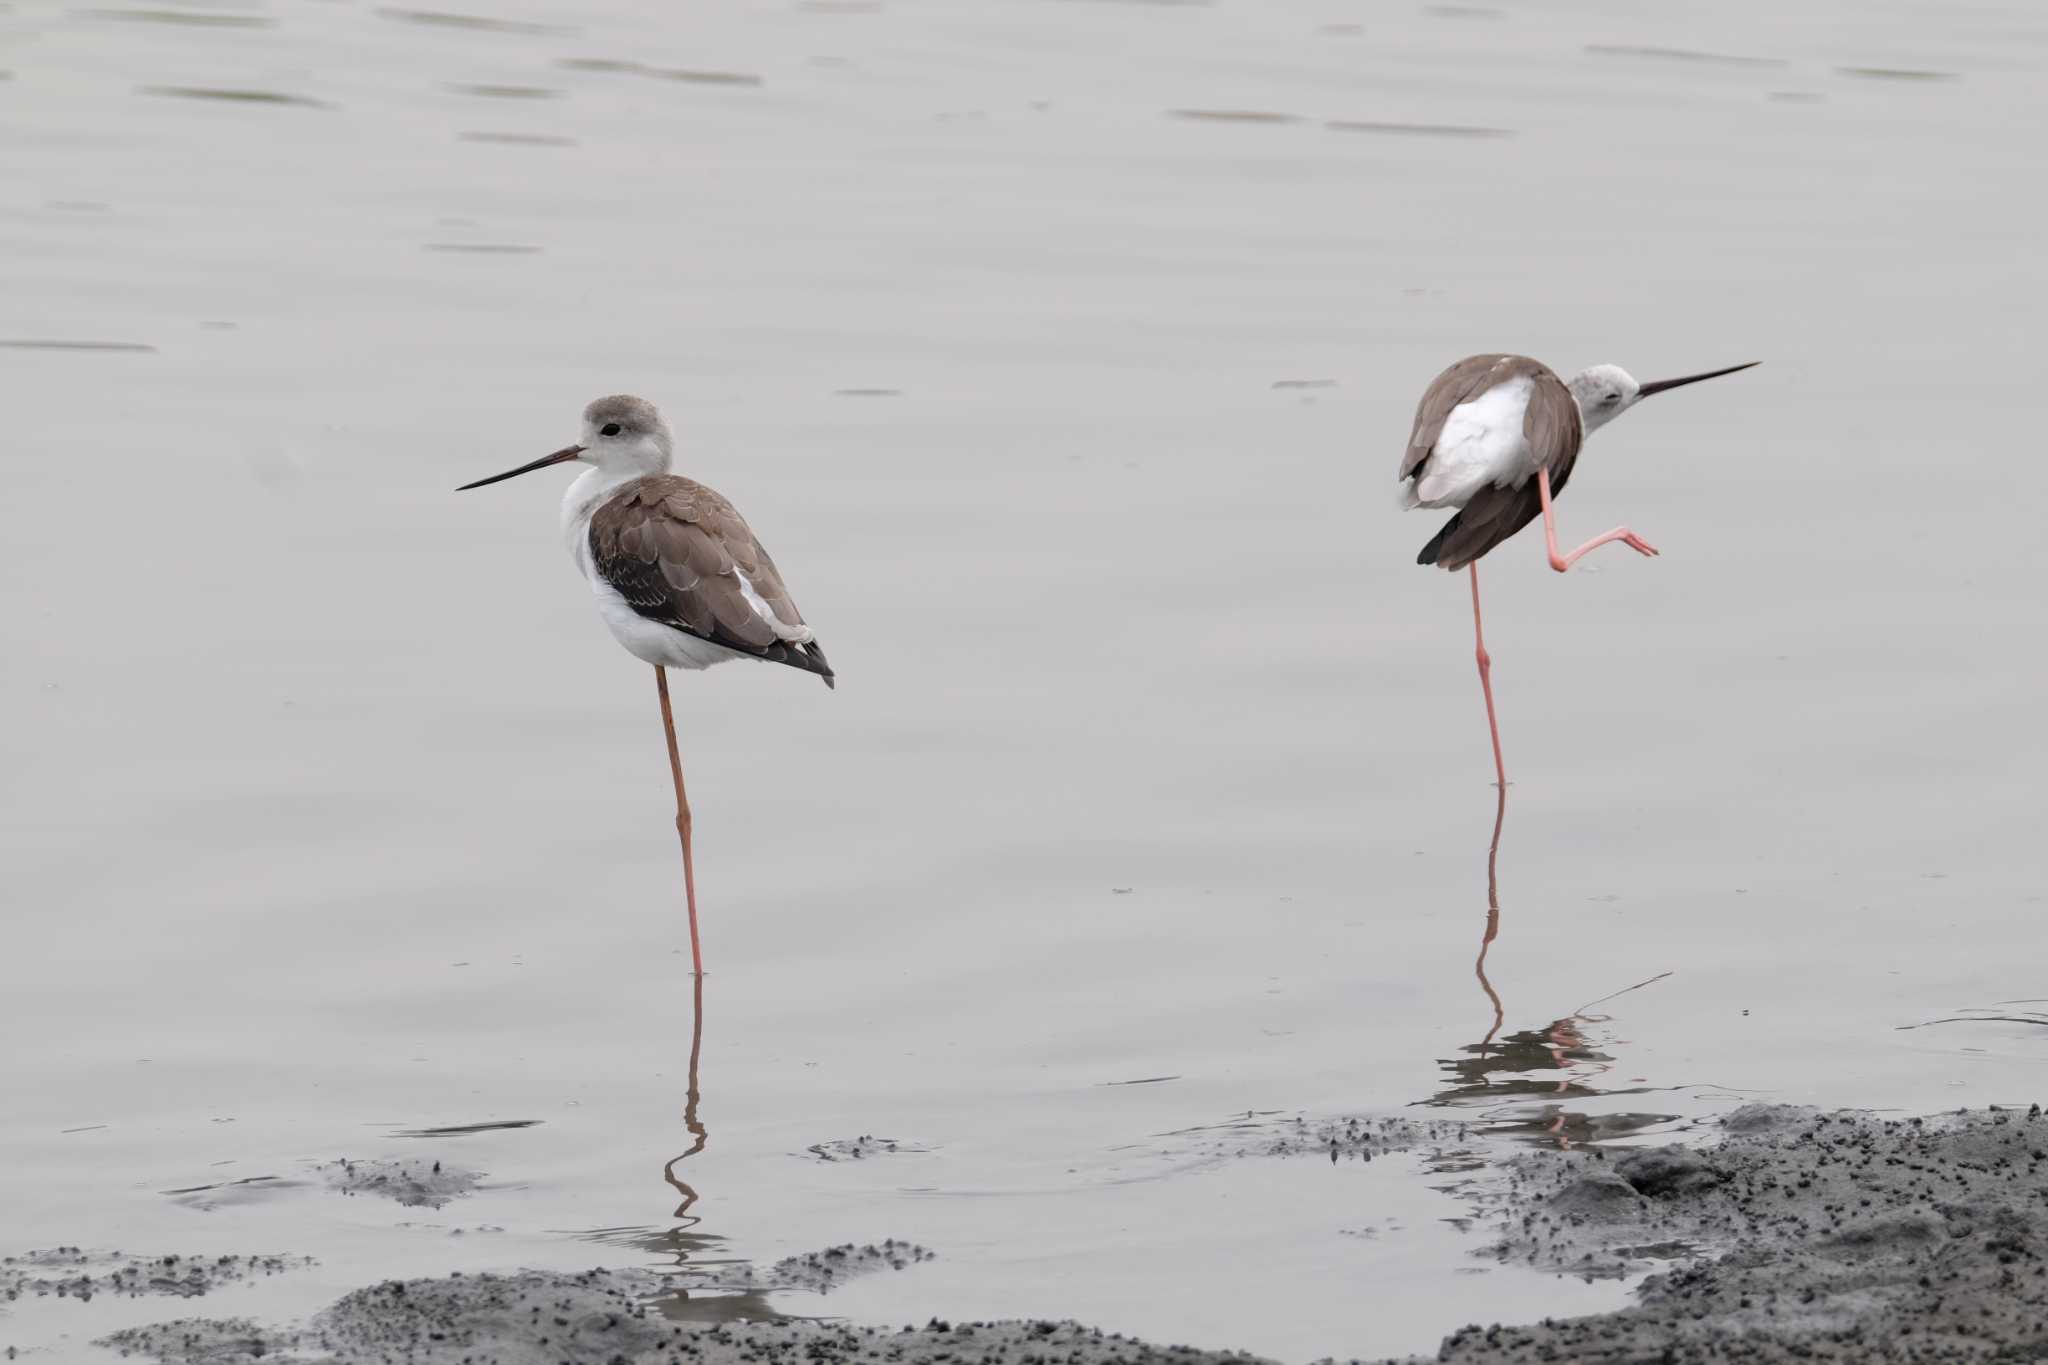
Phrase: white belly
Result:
[1482,443]
[650,641]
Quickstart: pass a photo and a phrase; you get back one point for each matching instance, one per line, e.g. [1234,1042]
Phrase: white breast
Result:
[1482,443]
[586,493]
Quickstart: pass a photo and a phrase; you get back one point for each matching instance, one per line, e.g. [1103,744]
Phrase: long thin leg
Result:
[1561,562]
[1500,768]
[675,765]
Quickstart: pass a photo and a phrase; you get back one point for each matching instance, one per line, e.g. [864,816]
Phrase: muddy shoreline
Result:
[1797,1235]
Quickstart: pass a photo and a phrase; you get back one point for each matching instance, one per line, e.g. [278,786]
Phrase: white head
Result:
[622,435]
[1604,392]
[626,434]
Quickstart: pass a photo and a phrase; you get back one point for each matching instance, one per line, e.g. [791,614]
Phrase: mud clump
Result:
[522,1319]
[74,1273]
[863,1147]
[821,1272]
[1364,1139]
[414,1182]
[1597,1199]
[1338,1139]
[542,1318]
[1663,1172]
[1841,1237]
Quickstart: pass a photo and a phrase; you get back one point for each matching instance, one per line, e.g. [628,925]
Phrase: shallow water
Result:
[1062,352]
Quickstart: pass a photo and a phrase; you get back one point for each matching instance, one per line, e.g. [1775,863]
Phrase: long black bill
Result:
[1664,384]
[565,453]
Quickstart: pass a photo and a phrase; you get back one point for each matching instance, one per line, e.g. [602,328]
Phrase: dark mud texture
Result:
[1804,1236]
[415,1182]
[821,1272]
[607,1317]
[1338,1139]
[74,1273]
[862,1147]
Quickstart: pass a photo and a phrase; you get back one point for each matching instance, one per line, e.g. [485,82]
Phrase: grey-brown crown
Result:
[633,414]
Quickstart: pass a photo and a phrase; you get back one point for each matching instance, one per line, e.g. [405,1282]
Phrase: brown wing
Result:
[682,555]
[1554,430]
[1461,383]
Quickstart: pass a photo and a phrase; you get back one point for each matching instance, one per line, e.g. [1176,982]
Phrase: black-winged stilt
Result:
[680,578]
[1496,437]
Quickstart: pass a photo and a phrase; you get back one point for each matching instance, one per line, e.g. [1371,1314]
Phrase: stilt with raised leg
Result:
[1496,437]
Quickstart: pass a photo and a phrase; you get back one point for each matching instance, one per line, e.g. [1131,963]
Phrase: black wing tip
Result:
[808,656]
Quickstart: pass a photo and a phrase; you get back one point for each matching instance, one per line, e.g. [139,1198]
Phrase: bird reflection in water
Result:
[699,1256]
[1548,1066]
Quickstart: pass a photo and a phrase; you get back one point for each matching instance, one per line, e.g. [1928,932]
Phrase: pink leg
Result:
[675,765]
[1486,681]
[1561,562]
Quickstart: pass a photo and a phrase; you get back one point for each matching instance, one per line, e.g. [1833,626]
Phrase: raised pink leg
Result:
[1486,680]
[1561,562]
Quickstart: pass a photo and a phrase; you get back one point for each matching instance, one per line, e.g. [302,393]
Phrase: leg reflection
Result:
[1500,815]
[1553,1066]
[690,1119]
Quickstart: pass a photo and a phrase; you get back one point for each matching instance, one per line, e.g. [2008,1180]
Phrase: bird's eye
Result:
[608,429]
[1610,400]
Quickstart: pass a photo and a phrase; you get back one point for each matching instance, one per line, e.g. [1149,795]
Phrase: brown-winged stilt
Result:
[680,578]
[1496,437]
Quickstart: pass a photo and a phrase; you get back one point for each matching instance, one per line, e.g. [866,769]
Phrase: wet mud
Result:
[1800,1235]
[821,1272]
[413,1182]
[861,1148]
[541,1316]
[1336,1139]
[75,1273]
[548,1319]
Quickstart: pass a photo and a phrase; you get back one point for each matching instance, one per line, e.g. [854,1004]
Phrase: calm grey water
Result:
[1062,353]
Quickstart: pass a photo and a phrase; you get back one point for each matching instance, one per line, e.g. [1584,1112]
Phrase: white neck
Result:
[585,495]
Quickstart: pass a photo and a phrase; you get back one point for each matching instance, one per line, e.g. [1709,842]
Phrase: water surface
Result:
[334,818]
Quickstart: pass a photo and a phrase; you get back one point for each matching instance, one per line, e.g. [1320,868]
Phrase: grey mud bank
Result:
[1798,1236]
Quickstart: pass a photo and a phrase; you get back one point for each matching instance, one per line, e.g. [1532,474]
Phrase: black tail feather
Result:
[1431,551]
